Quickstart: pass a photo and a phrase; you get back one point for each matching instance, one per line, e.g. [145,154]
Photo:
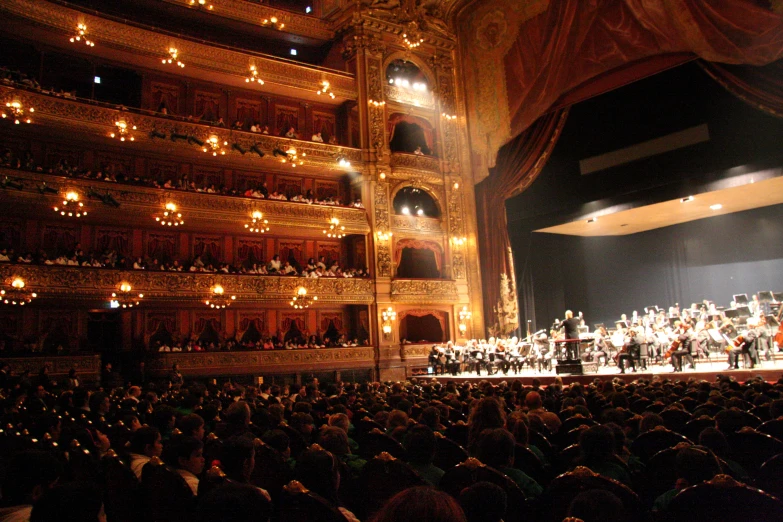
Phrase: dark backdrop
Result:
[605,276]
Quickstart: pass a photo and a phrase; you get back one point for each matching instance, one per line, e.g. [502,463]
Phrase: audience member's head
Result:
[420,504]
[186,452]
[192,425]
[496,448]
[146,441]
[238,458]
[334,440]
[483,502]
[71,502]
[596,443]
[597,505]
[319,471]
[696,464]
[234,503]
[28,475]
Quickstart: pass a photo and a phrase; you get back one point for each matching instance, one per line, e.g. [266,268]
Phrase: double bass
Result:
[779,334]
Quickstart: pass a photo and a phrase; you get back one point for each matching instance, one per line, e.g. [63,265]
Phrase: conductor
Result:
[571,326]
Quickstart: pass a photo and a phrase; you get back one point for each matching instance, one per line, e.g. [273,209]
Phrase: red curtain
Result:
[437,314]
[762,87]
[574,41]
[418,244]
[425,125]
[518,165]
[336,318]
[245,323]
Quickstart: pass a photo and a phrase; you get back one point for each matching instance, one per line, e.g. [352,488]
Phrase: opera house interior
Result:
[391,260]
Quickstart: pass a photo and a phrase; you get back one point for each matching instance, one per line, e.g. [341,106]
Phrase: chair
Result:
[572,437]
[366,425]
[659,438]
[660,473]
[377,442]
[576,421]
[448,453]
[120,488]
[541,442]
[772,427]
[695,426]
[553,505]
[640,405]
[690,403]
[769,476]
[655,407]
[762,412]
[298,504]
[751,448]
[166,495]
[723,498]
[271,471]
[644,355]
[383,477]
[568,457]
[458,433]
[297,442]
[675,419]
[527,461]
[472,471]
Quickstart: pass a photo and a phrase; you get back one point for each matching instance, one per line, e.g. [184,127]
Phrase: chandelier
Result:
[201,3]
[15,110]
[124,298]
[273,23]
[213,145]
[218,299]
[325,89]
[257,224]
[302,300]
[292,156]
[254,76]
[81,35]
[172,58]
[170,216]
[17,295]
[335,230]
[411,37]
[71,206]
[122,131]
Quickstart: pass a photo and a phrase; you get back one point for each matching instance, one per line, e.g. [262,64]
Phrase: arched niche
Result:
[420,326]
[418,259]
[415,201]
[411,134]
[407,74]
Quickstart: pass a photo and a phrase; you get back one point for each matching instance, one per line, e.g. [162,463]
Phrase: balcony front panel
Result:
[417,225]
[414,163]
[410,97]
[424,291]
[98,284]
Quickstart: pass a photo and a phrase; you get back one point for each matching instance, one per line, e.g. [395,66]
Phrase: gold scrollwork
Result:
[434,290]
[414,161]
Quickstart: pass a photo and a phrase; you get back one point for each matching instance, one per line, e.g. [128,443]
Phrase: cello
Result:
[779,334]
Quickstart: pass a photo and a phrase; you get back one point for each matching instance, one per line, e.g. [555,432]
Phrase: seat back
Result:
[695,426]
[377,442]
[769,476]
[472,471]
[448,453]
[383,477]
[298,504]
[271,471]
[167,497]
[752,448]
[553,504]
[659,438]
[121,490]
[723,498]
[772,427]
[528,462]
[675,419]
[660,474]
[458,433]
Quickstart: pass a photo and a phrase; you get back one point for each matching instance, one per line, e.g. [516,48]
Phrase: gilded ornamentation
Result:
[409,97]
[381,204]
[89,283]
[414,161]
[417,224]
[206,206]
[458,265]
[456,227]
[145,42]
[416,350]
[423,291]
[258,362]
[88,366]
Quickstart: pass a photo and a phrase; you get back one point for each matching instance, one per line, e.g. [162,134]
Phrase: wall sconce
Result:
[376,103]
[456,185]
[459,241]
[172,58]
[449,117]
[388,316]
[273,23]
[382,175]
[464,316]
[325,86]
[384,236]
[253,77]
[201,4]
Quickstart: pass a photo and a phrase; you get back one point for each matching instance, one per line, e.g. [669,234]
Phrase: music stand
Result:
[772,321]
[740,299]
[621,324]
[778,296]
[731,313]
[743,311]
[765,296]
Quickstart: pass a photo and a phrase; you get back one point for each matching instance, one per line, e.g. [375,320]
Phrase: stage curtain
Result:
[575,41]
[761,87]
[519,163]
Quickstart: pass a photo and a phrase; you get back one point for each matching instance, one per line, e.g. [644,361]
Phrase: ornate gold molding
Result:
[253,14]
[415,350]
[417,224]
[86,365]
[150,43]
[260,361]
[87,283]
[418,99]
[381,204]
[423,291]
[74,114]
[211,207]
[415,162]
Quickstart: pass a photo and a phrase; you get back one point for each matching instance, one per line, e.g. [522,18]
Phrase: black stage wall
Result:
[610,275]
[605,276]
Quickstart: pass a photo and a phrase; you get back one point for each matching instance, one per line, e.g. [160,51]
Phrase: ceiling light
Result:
[81,35]
[406,211]
[293,52]
[420,212]
[716,206]
[254,76]
[172,58]
[685,200]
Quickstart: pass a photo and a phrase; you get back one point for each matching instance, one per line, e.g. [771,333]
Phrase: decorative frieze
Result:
[415,162]
[409,97]
[417,224]
[423,291]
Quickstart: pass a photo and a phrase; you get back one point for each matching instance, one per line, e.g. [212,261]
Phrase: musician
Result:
[571,326]
[631,350]
[754,305]
[435,360]
[452,365]
[744,344]
[540,352]
[600,348]
[685,339]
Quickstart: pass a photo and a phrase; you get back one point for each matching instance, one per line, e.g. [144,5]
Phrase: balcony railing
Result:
[409,97]
[98,284]
[400,160]
[424,291]
[417,224]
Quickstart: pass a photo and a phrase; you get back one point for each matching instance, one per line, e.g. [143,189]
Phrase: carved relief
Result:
[382,223]
[377,113]
[458,265]
[409,97]
[417,224]
[456,227]
[88,366]
[426,290]
[414,161]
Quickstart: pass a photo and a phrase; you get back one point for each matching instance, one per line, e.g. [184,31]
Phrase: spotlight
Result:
[237,147]
[406,211]
[157,134]
[592,220]
[257,150]
[685,200]
[195,141]
[44,189]
[8,183]
[177,136]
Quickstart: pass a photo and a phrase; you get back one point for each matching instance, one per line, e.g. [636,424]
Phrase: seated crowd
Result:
[279,341]
[111,259]
[114,174]
[390,452]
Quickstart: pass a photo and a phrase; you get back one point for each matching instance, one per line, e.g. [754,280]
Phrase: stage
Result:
[768,370]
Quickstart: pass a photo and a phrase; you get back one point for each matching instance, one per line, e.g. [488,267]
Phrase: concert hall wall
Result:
[604,277]
[676,264]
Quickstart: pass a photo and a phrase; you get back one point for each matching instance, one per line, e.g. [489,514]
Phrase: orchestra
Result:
[746,331]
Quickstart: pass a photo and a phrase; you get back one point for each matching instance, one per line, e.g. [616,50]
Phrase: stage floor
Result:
[768,370]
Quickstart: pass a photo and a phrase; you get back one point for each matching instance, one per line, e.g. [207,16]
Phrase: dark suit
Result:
[632,351]
[571,327]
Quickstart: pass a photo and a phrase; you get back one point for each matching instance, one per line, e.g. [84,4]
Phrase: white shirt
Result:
[318,138]
[191,479]
[138,462]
